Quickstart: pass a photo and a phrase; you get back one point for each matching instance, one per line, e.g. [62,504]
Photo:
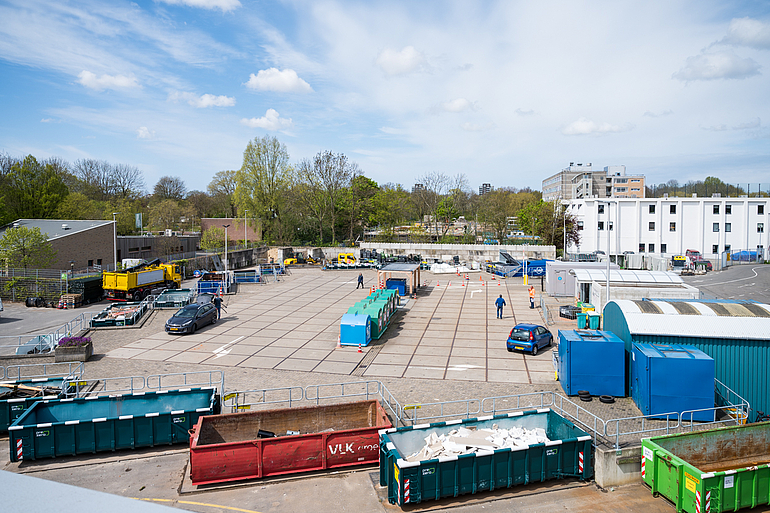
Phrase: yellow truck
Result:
[136,283]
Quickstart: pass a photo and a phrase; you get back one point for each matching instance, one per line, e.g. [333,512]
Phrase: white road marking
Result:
[474,291]
[222,351]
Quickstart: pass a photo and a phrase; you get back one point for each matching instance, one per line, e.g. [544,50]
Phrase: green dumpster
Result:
[593,320]
[582,320]
[716,470]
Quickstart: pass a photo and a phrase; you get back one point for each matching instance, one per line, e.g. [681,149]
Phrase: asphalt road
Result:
[735,282]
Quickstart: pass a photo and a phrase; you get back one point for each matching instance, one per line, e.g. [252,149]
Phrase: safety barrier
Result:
[44,342]
[187,379]
[42,370]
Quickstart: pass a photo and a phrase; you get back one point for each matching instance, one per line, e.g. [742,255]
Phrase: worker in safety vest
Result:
[531,296]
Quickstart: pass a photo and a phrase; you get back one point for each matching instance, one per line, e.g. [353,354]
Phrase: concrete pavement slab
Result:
[155,355]
[275,351]
[190,357]
[125,352]
[297,364]
[336,367]
[395,371]
[261,362]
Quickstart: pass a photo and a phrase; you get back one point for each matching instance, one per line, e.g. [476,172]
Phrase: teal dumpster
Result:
[64,427]
[582,319]
[593,320]
[567,453]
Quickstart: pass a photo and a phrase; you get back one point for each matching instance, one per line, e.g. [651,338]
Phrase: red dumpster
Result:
[232,447]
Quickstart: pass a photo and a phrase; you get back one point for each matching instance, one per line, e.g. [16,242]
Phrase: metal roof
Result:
[697,319]
[628,276]
[54,228]
[400,267]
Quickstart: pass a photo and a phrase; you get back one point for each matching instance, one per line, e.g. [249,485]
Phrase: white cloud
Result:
[203,101]
[270,121]
[748,32]
[522,112]
[46,120]
[457,105]
[91,81]
[286,81]
[144,133]
[393,62]
[756,123]
[223,5]
[472,127]
[715,128]
[585,126]
[716,65]
[651,114]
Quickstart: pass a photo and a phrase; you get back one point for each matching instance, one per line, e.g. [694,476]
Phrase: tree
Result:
[77,206]
[359,203]
[309,192]
[127,181]
[497,207]
[262,183]
[213,238]
[222,190]
[549,220]
[165,215]
[32,190]
[169,187]
[26,248]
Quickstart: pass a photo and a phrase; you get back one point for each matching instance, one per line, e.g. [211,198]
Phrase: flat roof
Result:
[629,276]
[55,228]
[400,267]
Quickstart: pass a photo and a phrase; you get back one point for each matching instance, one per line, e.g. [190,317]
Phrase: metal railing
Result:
[251,399]
[186,379]
[42,370]
[46,342]
[95,387]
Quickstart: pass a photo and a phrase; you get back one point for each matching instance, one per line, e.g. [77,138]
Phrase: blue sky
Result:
[504,92]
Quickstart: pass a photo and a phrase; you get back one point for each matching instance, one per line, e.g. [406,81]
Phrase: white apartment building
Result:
[582,181]
[671,226]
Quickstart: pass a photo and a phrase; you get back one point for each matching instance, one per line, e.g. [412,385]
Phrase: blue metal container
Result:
[593,361]
[672,378]
[355,329]
[398,284]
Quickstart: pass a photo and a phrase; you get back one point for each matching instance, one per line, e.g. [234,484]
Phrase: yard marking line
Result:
[474,291]
[197,504]
[222,351]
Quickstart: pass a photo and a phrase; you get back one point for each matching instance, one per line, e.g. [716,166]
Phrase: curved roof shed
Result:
[736,334]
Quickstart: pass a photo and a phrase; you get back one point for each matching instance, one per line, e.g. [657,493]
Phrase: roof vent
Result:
[65,227]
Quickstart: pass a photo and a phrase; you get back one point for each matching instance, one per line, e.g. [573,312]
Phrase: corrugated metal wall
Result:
[742,365]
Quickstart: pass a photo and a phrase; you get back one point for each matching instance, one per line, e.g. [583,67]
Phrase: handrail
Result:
[215,377]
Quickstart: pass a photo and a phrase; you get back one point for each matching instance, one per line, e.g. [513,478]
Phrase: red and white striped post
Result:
[19,451]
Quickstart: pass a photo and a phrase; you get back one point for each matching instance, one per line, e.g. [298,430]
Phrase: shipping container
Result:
[710,471]
[567,454]
[593,361]
[240,446]
[673,378]
[63,427]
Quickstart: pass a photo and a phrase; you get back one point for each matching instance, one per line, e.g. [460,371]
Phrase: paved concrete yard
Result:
[449,332]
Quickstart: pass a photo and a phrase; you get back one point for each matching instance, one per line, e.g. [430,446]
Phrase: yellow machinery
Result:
[136,283]
[346,258]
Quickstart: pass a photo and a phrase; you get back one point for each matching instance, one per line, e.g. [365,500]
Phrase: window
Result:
[635,189]
[672,227]
[728,227]
[621,189]
[716,209]
[760,227]
[98,261]
[133,250]
[662,248]
[652,209]
[672,209]
[715,248]
[609,225]
[90,263]
[715,227]
[634,180]
[601,225]
[728,209]
[641,247]
[761,210]
[652,226]
[727,248]
[580,225]
[651,248]
[600,208]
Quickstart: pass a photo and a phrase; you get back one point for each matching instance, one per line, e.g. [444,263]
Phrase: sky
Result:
[505,92]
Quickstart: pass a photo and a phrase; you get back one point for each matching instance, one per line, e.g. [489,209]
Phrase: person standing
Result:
[218,304]
[500,303]
[531,296]
[360,281]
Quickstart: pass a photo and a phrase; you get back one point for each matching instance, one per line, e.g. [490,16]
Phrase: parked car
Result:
[204,298]
[191,317]
[529,337]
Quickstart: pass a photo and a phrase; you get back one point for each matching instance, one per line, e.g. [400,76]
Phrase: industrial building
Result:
[736,334]
[560,282]
[671,226]
[591,286]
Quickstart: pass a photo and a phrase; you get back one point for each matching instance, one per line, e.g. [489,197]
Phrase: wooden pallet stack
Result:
[69,301]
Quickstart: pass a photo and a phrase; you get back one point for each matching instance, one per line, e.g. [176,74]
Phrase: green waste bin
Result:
[581,319]
[593,320]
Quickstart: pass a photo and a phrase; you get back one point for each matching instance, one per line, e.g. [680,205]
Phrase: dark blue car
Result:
[191,317]
[529,337]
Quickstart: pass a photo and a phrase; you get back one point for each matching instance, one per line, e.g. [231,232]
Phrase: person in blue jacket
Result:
[500,303]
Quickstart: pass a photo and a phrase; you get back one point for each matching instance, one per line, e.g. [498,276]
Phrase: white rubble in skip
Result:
[470,440]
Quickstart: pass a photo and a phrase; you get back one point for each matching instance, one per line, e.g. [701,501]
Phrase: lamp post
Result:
[115,241]
[245,240]
[225,226]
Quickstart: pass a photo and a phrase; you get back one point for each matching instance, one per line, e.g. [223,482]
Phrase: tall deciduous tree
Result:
[32,190]
[222,191]
[26,248]
[262,182]
[170,187]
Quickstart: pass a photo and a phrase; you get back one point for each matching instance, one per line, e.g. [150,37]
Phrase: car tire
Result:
[213,320]
[607,399]
[586,398]
[194,327]
[510,349]
[534,349]
[550,341]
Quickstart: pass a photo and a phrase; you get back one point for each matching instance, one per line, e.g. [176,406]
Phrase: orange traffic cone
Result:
[480,278]
[359,348]
[339,342]
[438,284]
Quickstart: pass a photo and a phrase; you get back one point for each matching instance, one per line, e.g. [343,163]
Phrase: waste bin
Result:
[593,320]
[587,307]
[581,318]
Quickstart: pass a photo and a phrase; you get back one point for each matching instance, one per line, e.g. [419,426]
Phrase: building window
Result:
[98,261]
[601,225]
[662,248]
[672,227]
[600,208]
[621,189]
[715,227]
[715,248]
[609,225]
[641,247]
[728,227]
[727,248]
[761,210]
[635,189]
[652,226]
[133,250]
[728,209]
[651,248]
[652,209]
[90,263]
[760,227]
[580,225]
[716,209]
[672,209]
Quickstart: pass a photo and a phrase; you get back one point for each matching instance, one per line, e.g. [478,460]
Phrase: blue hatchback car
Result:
[529,337]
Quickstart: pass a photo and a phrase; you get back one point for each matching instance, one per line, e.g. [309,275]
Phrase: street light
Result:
[115,241]
[225,226]
[245,240]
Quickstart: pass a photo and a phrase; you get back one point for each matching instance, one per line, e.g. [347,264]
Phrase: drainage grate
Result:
[368,359]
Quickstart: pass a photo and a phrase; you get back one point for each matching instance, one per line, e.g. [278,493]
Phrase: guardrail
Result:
[42,370]
[186,379]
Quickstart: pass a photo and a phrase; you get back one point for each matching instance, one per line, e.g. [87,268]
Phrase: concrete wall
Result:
[466,252]
[617,467]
